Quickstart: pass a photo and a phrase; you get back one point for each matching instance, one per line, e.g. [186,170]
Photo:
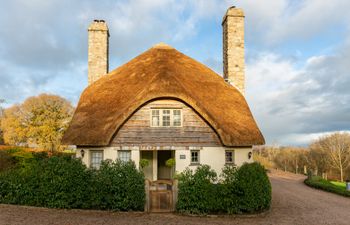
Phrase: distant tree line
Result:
[40,121]
[1,115]
[329,157]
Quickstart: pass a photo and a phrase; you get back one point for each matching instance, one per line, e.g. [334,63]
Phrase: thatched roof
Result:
[161,72]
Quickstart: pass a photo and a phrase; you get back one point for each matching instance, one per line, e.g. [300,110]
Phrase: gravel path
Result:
[293,203]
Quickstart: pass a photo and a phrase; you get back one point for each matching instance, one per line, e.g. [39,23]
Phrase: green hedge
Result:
[118,186]
[319,183]
[65,182]
[197,191]
[243,190]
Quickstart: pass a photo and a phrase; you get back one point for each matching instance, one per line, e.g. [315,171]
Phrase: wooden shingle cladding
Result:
[194,131]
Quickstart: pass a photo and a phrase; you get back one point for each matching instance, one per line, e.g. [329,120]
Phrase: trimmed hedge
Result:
[243,190]
[197,192]
[322,184]
[253,188]
[118,186]
[65,182]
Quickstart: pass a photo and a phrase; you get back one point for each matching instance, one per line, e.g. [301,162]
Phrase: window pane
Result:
[155,118]
[194,156]
[166,118]
[177,117]
[124,156]
[229,156]
[96,159]
[155,121]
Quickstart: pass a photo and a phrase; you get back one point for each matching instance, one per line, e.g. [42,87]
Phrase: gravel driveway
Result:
[293,203]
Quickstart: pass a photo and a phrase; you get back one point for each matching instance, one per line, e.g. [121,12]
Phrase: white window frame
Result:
[233,157]
[198,157]
[124,151]
[96,165]
[151,120]
[160,114]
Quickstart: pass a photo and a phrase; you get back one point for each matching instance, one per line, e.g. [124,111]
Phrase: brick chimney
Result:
[233,48]
[97,50]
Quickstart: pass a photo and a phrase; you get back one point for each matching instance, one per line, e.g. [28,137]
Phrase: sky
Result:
[297,53]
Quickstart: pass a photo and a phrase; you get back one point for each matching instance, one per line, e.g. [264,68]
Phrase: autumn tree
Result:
[318,159]
[337,149]
[39,120]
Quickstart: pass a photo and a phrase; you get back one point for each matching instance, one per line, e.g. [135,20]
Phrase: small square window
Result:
[229,157]
[96,159]
[124,156]
[195,157]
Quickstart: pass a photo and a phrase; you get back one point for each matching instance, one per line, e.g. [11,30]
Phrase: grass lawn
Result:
[339,184]
[330,186]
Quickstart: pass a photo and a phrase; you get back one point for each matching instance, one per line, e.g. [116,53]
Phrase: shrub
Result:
[243,190]
[230,204]
[65,182]
[56,182]
[253,188]
[118,186]
[322,184]
[197,193]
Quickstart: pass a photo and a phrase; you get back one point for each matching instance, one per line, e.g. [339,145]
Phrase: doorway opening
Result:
[164,172]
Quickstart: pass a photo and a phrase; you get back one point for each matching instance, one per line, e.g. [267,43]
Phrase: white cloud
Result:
[307,137]
[276,21]
[293,104]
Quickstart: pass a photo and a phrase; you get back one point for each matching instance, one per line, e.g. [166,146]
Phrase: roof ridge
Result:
[162,45]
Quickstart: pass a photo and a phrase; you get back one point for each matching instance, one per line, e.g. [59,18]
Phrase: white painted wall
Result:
[212,156]
[241,156]
[135,156]
[110,153]
[155,165]
[182,164]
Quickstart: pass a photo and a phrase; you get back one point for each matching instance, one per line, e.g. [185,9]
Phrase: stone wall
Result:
[233,48]
[97,50]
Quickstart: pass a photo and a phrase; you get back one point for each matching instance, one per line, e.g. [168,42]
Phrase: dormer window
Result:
[166,118]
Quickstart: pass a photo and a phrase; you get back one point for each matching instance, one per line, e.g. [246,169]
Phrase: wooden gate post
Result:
[175,192]
[147,202]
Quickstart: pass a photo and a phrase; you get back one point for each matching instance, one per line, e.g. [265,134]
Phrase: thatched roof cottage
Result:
[165,105]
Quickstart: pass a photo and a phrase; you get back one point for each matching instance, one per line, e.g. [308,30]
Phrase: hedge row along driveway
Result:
[292,203]
[64,182]
[243,190]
